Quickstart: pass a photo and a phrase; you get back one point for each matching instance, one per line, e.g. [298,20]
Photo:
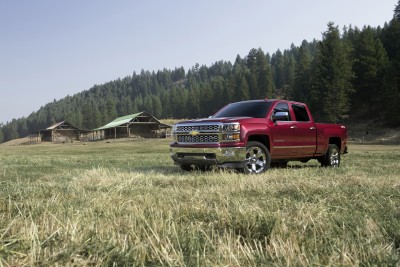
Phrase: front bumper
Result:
[231,157]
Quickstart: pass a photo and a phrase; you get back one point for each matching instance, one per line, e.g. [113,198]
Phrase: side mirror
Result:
[280,116]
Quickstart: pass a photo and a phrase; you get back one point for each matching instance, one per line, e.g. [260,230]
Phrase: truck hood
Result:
[223,120]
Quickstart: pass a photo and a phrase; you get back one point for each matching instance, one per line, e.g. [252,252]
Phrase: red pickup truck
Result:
[253,135]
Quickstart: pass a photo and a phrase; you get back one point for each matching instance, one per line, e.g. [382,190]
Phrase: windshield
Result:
[254,109]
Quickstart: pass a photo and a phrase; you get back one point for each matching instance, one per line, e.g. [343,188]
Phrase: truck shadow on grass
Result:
[174,170]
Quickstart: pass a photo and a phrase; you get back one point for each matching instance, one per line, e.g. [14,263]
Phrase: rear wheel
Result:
[332,157]
[257,158]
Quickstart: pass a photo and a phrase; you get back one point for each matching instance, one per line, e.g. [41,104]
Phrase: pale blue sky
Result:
[50,49]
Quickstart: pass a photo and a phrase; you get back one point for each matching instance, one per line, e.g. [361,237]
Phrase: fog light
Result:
[229,153]
[231,137]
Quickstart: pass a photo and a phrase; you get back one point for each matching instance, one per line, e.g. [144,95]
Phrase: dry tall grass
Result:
[126,204]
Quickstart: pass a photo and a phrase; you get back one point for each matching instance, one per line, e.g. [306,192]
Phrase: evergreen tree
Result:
[193,104]
[10,130]
[302,85]
[166,105]
[229,93]
[22,128]
[148,104]
[87,117]
[206,97]
[260,80]
[396,15]
[96,117]
[278,65]
[157,107]
[179,100]
[111,110]
[217,87]
[332,81]
[252,75]
[391,95]
[264,75]
[138,103]
[1,134]
[243,92]
[370,64]
[288,74]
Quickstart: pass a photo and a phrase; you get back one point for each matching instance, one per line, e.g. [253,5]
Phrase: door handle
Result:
[312,128]
[293,127]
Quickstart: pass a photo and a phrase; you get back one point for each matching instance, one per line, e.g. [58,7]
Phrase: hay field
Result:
[125,203]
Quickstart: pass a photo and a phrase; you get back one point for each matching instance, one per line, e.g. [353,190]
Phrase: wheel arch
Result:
[263,139]
[335,141]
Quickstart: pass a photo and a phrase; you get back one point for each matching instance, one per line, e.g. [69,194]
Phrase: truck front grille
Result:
[188,128]
[211,138]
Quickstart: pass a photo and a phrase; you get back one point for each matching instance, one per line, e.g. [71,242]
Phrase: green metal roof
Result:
[126,119]
[119,121]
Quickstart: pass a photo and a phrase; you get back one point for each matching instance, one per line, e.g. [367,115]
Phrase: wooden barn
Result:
[59,132]
[139,125]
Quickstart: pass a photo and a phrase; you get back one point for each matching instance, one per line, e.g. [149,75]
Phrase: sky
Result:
[50,49]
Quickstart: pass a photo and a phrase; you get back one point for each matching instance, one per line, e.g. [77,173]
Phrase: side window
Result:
[301,113]
[282,107]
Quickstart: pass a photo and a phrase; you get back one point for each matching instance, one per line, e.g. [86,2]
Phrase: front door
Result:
[284,139]
[283,134]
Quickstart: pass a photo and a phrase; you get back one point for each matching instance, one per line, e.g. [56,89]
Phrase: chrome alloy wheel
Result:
[334,157]
[256,159]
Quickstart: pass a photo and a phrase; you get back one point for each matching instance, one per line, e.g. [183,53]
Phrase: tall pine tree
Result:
[302,85]
[392,78]
[332,81]
[370,64]
[1,134]
[396,15]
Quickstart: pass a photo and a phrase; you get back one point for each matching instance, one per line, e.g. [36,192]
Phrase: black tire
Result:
[257,158]
[186,167]
[332,157]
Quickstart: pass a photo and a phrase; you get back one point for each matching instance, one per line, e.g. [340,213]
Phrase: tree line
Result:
[350,75]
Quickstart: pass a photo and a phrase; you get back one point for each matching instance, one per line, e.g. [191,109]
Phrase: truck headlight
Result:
[231,127]
[231,132]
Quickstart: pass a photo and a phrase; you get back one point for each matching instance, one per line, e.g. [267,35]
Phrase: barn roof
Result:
[63,125]
[137,118]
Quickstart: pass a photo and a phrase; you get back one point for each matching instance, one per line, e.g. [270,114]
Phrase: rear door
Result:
[305,131]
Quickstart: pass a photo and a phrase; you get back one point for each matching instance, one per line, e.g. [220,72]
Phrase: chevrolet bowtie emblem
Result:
[194,133]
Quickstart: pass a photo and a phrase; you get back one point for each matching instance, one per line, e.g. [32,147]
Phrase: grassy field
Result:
[125,203]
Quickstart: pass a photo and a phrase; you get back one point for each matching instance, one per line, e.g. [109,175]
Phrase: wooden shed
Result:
[139,124]
[59,132]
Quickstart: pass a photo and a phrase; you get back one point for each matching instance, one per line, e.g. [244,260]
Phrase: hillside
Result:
[348,76]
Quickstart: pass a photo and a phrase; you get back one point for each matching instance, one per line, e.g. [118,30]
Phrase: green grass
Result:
[125,203]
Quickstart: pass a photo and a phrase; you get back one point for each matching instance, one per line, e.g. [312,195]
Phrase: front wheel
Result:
[257,158]
[332,157]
